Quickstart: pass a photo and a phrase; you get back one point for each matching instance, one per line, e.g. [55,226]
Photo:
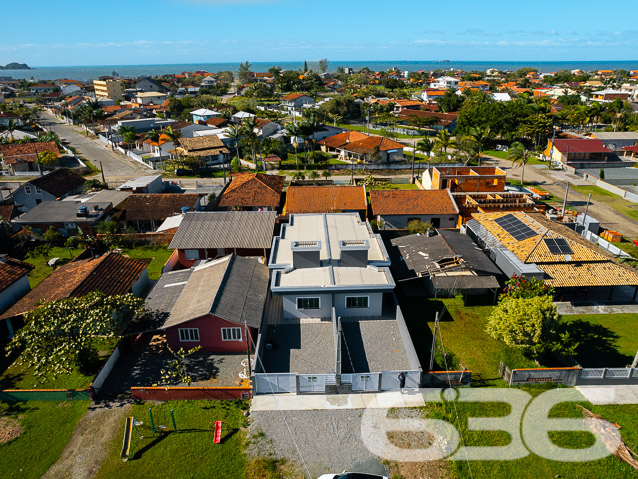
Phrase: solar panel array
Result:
[515,227]
[558,246]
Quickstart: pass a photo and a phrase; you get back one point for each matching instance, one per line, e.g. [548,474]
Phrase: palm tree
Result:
[128,134]
[517,154]
[234,132]
[326,174]
[425,146]
[444,141]
[481,135]
[312,124]
[172,135]
[11,126]
[155,137]
[248,128]
[294,131]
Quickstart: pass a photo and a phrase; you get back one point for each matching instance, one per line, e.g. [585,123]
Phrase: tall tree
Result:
[517,154]
[425,146]
[172,135]
[244,72]
[323,65]
[305,66]
[155,137]
[444,140]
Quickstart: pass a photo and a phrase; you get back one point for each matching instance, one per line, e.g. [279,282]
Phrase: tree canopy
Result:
[58,337]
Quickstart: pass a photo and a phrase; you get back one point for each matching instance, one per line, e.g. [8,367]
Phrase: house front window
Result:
[308,303]
[191,254]
[27,189]
[38,191]
[231,334]
[188,334]
[353,302]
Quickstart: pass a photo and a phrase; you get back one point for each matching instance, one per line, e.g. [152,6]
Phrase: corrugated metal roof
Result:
[225,229]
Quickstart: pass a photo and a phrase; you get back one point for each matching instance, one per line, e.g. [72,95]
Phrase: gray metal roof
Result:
[225,229]
[49,212]
[164,294]
[232,288]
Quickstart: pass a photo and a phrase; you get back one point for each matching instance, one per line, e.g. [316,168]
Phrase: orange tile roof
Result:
[11,270]
[111,274]
[341,139]
[412,202]
[27,152]
[293,96]
[253,190]
[368,145]
[324,199]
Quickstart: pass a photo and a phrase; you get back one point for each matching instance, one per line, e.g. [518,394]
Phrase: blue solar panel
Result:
[515,227]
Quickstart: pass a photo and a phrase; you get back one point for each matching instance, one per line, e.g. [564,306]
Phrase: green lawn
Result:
[531,160]
[190,453]
[619,204]
[41,270]
[396,186]
[158,253]
[47,427]
[18,376]
[628,247]
[533,466]
[378,132]
[605,340]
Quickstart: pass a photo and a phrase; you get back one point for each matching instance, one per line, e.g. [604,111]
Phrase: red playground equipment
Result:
[218,432]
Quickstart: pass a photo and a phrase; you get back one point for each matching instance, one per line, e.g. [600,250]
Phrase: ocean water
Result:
[91,72]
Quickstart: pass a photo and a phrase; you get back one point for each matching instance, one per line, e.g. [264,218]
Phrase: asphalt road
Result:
[117,167]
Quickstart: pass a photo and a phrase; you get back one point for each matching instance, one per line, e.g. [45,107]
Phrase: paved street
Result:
[117,167]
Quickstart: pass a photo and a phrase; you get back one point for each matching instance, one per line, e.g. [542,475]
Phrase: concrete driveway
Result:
[117,167]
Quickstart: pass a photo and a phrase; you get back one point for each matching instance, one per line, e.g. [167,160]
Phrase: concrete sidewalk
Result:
[601,395]
[305,402]
[567,308]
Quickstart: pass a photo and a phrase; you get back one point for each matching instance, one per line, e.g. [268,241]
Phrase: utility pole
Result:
[436,328]
[565,200]
[413,158]
[102,169]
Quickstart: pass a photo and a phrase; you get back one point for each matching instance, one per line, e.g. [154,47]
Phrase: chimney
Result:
[82,212]
[306,254]
[354,253]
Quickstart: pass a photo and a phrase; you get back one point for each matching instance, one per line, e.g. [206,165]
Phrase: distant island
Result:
[15,66]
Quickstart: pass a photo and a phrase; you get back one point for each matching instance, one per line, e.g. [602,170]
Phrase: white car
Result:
[352,475]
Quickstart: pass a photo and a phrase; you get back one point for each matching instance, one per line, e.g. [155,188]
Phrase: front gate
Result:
[312,383]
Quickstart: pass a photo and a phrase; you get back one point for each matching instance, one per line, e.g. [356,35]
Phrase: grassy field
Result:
[18,376]
[532,160]
[605,340]
[158,254]
[47,427]
[621,205]
[628,247]
[378,132]
[190,453]
[41,270]
[533,466]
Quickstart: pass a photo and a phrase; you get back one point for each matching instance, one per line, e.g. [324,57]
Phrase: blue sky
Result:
[64,32]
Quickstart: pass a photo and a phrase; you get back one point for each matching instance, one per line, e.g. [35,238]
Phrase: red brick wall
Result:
[190,393]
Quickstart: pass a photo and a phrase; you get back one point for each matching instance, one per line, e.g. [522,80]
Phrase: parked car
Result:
[352,475]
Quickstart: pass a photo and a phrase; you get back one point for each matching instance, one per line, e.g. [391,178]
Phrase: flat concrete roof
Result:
[304,348]
[372,346]
[329,229]
[333,278]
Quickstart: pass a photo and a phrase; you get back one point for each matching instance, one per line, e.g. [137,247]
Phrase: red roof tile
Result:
[368,145]
[11,270]
[337,141]
[581,146]
[253,190]
[412,202]
[325,199]
[293,96]
[27,152]
[111,274]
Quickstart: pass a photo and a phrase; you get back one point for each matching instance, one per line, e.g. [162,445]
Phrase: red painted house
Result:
[214,305]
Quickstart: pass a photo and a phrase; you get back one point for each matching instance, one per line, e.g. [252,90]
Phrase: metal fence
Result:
[575,376]
[14,395]
[266,383]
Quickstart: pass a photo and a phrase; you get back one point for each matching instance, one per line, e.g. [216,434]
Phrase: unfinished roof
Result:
[59,182]
[157,206]
[449,254]
[412,202]
[225,229]
[232,288]
[329,229]
[111,274]
[325,199]
[253,190]
[11,270]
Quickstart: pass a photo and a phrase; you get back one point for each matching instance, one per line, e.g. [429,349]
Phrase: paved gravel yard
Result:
[329,441]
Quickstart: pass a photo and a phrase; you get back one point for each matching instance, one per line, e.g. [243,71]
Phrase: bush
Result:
[418,226]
